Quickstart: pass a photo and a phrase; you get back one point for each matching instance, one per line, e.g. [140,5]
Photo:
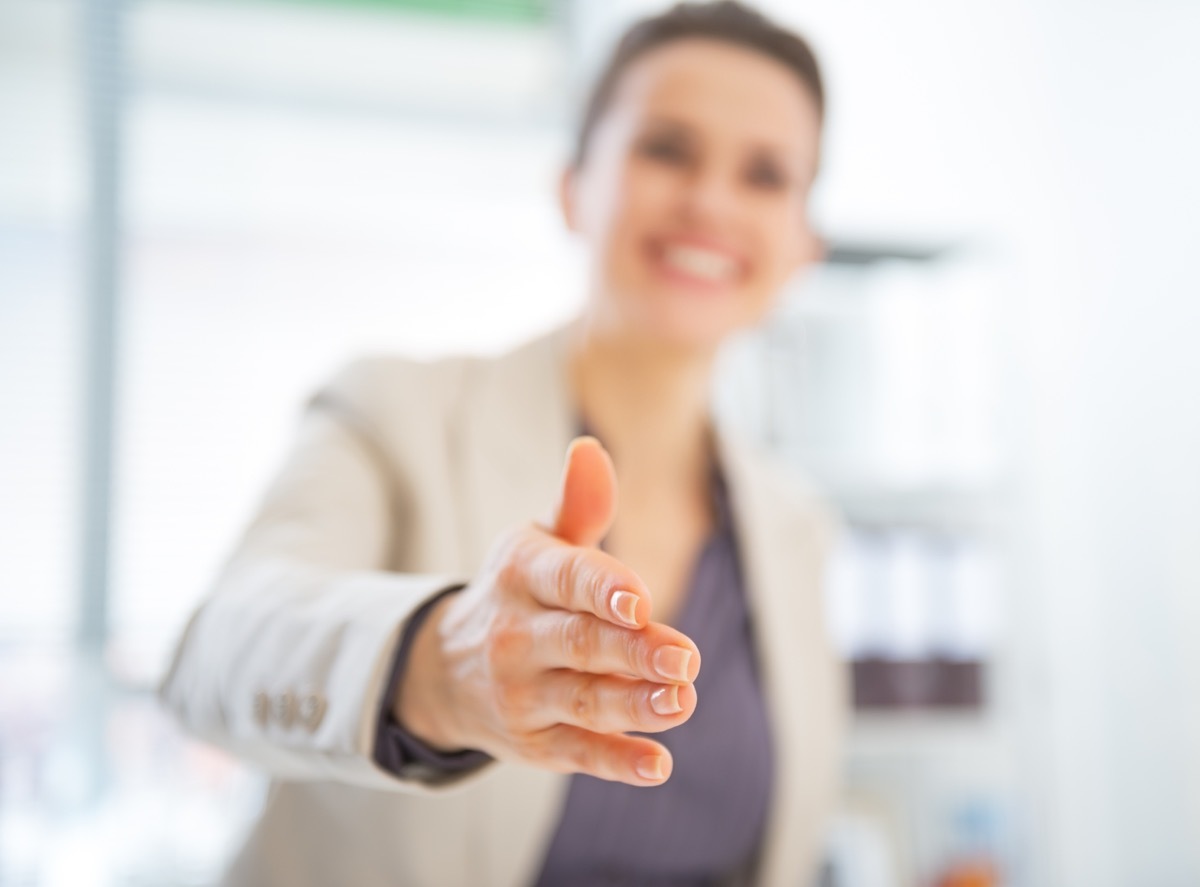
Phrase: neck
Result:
[648,402]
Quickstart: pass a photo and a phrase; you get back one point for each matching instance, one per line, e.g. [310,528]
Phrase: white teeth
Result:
[700,262]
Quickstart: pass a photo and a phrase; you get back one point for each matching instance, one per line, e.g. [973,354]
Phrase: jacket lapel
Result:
[783,547]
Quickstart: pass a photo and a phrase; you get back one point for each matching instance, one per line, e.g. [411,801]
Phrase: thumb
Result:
[587,500]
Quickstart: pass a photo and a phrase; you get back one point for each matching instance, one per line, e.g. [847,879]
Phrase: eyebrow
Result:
[659,120]
[665,121]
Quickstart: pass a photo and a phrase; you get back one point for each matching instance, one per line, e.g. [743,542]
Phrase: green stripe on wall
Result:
[489,10]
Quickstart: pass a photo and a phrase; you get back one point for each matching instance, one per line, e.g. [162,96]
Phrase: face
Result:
[693,195]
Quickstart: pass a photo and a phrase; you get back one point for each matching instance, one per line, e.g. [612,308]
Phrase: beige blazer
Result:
[402,475]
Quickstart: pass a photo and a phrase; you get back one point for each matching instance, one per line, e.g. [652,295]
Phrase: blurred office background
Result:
[206,206]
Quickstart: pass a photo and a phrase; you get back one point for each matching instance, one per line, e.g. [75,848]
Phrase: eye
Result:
[665,147]
[766,174]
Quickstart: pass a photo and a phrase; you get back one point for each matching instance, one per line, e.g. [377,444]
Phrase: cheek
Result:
[622,203]
[645,197]
[783,237]
[633,201]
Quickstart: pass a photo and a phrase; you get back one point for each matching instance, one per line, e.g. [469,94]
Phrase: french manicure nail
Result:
[665,701]
[650,767]
[672,662]
[624,606]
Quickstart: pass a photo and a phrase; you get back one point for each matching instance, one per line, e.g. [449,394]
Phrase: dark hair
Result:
[727,21]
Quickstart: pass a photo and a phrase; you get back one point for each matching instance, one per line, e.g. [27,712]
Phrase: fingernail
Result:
[624,607]
[665,701]
[650,767]
[672,662]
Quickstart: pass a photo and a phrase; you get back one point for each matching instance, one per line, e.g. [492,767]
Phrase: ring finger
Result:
[615,703]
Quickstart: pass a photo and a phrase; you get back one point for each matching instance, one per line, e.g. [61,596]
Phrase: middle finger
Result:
[585,643]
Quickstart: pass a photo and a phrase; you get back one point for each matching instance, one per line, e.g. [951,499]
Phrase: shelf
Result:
[851,253]
[904,685]
[924,734]
[918,506]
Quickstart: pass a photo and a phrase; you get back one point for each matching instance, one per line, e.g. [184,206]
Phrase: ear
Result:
[567,200]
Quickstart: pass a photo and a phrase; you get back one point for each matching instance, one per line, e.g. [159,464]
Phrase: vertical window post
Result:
[103,94]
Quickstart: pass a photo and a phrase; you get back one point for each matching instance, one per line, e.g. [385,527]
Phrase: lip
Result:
[714,252]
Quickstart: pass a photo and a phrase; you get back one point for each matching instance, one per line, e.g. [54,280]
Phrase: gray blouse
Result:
[704,825]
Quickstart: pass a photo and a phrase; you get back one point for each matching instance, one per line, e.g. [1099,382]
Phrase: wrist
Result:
[422,704]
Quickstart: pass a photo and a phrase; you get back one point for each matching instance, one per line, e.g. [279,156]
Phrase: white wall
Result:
[1114,512]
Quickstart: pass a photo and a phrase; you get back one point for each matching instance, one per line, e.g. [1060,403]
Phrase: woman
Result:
[462,662]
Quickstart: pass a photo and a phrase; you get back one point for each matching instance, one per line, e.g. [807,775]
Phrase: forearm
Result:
[284,665]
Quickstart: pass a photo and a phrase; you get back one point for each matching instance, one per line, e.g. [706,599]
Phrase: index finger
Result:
[585,580]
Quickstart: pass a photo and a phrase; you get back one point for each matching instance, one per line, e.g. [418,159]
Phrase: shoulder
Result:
[382,386]
[415,410]
[376,386]
[796,487]
[398,408]
[793,495]
[804,498]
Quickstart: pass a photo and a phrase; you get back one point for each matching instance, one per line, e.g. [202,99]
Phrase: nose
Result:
[709,195]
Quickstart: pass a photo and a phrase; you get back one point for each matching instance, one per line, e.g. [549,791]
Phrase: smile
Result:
[709,266]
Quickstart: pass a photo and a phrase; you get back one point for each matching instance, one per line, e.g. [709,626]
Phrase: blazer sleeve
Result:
[285,661]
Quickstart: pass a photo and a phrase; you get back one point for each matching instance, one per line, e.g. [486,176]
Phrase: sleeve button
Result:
[262,708]
[312,710]
[284,709]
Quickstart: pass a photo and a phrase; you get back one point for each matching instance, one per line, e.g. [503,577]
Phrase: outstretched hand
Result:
[548,655]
